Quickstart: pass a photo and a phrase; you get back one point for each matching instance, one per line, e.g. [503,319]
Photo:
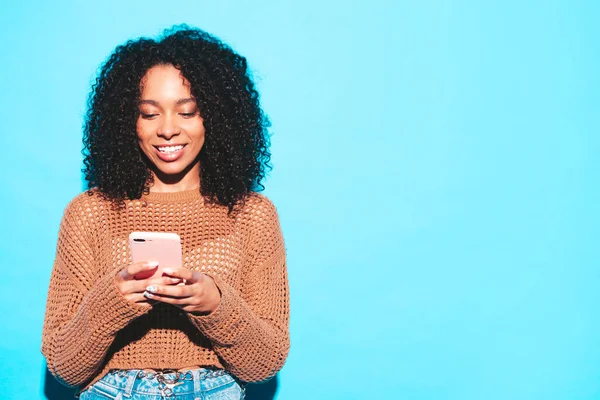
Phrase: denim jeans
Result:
[135,384]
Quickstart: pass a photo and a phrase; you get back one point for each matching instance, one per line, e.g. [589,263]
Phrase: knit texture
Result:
[90,328]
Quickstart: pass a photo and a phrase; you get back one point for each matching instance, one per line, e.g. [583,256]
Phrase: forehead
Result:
[164,82]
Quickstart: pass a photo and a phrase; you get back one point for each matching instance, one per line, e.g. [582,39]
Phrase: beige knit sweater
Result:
[90,328]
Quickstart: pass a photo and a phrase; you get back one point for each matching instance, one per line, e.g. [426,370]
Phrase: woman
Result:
[175,141]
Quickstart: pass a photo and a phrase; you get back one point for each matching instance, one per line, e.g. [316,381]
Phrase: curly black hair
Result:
[235,157]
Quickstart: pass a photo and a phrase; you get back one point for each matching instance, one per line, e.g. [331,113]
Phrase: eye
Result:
[188,115]
[147,116]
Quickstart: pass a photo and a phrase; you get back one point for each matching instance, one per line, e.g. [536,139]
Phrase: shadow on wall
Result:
[54,390]
[262,391]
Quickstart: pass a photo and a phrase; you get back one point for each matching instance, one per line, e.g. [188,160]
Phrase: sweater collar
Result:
[171,197]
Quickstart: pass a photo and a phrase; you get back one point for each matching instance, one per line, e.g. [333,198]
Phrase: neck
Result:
[187,179]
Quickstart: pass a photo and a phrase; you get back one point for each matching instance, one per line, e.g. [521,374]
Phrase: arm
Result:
[82,317]
[249,330]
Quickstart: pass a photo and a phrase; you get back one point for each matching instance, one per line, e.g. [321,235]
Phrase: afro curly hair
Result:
[235,156]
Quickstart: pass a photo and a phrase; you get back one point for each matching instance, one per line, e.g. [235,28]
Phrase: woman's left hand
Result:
[199,294]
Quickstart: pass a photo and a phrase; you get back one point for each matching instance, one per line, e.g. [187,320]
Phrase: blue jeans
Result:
[135,384]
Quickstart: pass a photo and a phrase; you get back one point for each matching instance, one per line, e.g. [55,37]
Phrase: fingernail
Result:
[148,295]
[175,280]
[151,289]
[152,263]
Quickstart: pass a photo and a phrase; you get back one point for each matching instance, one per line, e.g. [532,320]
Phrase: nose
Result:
[168,128]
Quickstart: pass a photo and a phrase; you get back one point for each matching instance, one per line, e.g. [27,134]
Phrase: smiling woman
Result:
[175,142]
[170,128]
[148,80]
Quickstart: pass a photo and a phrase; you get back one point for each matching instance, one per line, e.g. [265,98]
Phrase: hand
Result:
[133,289]
[200,294]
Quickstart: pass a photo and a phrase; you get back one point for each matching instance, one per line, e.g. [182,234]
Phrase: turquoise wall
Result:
[436,174]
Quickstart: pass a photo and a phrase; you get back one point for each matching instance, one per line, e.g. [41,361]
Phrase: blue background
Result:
[436,175]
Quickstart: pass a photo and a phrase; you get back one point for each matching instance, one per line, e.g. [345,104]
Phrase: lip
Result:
[169,157]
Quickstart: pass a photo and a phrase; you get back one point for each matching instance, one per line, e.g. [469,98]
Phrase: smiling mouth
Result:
[169,149]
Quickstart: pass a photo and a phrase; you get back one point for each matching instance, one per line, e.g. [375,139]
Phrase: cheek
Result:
[201,131]
[196,130]
[142,130]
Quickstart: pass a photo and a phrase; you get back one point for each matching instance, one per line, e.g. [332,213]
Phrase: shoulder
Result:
[258,207]
[86,206]
[259,215]
[88,199]
[263,231]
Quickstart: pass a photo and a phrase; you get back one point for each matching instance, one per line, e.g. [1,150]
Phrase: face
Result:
[169,126]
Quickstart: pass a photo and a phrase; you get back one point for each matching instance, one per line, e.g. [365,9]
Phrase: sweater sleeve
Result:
[83,314]
[249,330]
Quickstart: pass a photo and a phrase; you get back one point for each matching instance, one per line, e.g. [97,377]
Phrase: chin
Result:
[177,168]
[171,171]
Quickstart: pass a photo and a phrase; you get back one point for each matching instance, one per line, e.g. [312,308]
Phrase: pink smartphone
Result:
[163,247]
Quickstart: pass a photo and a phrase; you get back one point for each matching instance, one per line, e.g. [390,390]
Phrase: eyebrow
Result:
[178,102]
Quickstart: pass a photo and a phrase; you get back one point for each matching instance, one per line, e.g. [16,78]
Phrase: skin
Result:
[169,115]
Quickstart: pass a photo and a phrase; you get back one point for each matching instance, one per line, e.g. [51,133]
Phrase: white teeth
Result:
[169,149]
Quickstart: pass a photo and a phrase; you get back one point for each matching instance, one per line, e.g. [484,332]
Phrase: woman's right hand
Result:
[133,289]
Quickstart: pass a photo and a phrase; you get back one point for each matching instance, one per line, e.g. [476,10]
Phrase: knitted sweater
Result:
[90,328]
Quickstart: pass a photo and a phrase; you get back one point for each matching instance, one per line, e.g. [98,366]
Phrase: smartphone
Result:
[164,247]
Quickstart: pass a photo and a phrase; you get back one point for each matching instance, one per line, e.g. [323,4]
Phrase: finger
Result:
[139,298]
[140,286]
[183,273]
[173,291]
[163,280]
[131,270]
[166,299]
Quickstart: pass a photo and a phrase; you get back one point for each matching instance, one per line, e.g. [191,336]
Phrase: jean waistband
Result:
[169,375]
[126,379]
